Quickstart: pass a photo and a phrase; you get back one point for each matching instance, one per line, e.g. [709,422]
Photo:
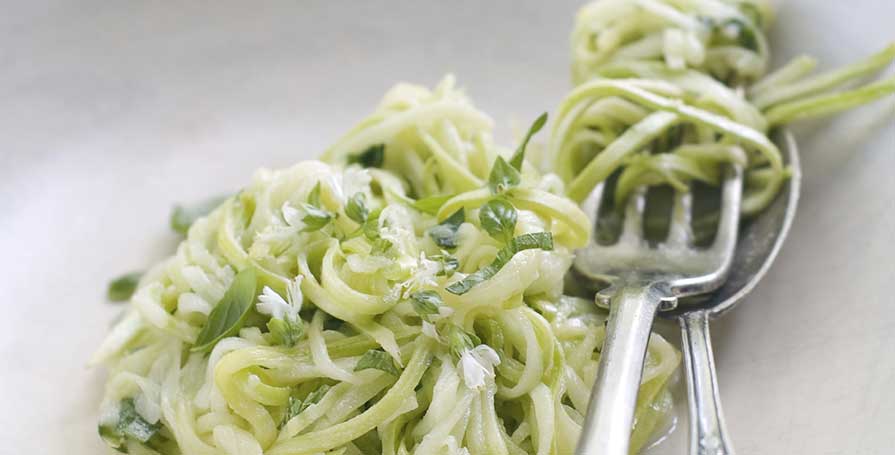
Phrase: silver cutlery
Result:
[759,242]
[642,280]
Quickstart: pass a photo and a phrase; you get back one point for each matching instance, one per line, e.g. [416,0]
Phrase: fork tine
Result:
[591,205]
[725,240]
[632,231]
[680,231]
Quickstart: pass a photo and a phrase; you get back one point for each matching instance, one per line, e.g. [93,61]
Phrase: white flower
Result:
[423,276]
[477,364]
[273,305]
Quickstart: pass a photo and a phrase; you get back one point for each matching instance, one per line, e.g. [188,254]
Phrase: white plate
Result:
[113,111]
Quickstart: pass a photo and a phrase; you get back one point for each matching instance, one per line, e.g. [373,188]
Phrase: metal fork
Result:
[643,280]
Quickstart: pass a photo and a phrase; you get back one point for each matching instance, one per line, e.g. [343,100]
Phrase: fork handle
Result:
[708,434]
[610,413]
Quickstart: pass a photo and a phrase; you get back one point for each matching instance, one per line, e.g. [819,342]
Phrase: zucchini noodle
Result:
[404,294]
[358,338]
[667,90]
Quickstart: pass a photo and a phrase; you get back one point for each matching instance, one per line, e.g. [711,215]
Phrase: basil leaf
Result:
[377,359]
[285,331]
[445,233]
[426,303]
[182,217]
[123,287]
[460,340]
[130,425]
[230,313]
[542,240]
[498,218]
[519,156]
[371,225]
[373,156]
[315,218]
[502,176]
[449,264]
[356,208]
[431,204]
[296,406]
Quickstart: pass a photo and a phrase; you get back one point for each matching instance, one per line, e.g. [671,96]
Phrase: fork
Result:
[643,280]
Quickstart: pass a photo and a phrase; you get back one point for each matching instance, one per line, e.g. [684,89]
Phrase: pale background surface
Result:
[113,111]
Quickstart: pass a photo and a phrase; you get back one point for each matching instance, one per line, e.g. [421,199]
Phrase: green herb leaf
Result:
[286,332]
[431,204]
[519,156]
[373,156]
[230,313]
[296,406]
[445,233]
[130,425]
[542,240]
[182,217]
[371,225]
[356,208]
[502,176]
[123,287]
[315,218]
[377,359]
[449,264]
[498,217]
[426,303]
[460,340]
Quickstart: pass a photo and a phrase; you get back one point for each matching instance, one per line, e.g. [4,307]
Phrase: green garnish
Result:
[426,303]
[285,331]
[449,264]
[542,240]
[498,218]
[123,287]
[502,176]
[379,360]
[230,313]
[460,340]
[373,156]
[129,425]
[445,233]
[316,218]
[296,406]
[356,208]
[519,155]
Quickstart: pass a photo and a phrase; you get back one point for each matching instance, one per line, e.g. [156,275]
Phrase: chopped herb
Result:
[431,204]
[371,226]
[123,287]
[130,425]
[296,406]
[315,218]
[426,303]
[519,156]
[230,313]
[742,33]
[286,331]
[498,218]
[377,359]
[460,340]
[356,208]
[445,233]
[182,217]
[502,176]
[542,240]
[373,156]
[449,264]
